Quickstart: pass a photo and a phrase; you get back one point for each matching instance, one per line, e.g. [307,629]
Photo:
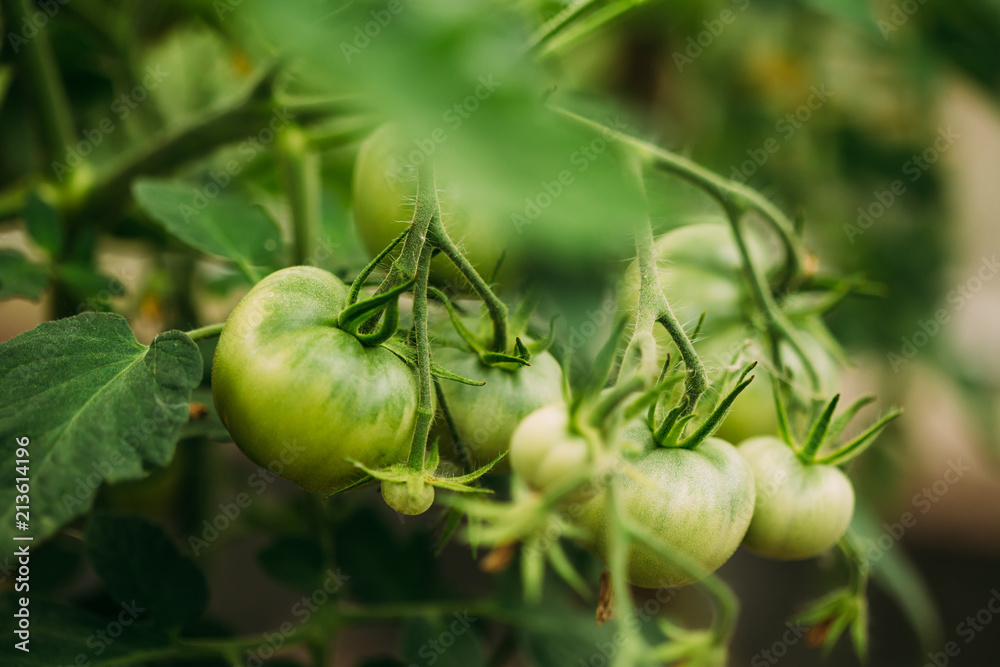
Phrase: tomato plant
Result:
[286,254]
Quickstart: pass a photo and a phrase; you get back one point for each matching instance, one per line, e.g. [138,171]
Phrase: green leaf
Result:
[96,405]
[296,562]
[226,226]
[59,634]
[20,277]
[42,221]
[140,565]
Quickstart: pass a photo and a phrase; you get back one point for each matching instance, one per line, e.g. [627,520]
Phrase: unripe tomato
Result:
[802,509]
[383,204]
[298,395]
[698,502]
[485,416]
[543,450]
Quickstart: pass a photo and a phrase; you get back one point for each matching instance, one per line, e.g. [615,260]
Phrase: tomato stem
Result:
[496,308]
[653,305]
[300,169]
[205,332]
[425,412]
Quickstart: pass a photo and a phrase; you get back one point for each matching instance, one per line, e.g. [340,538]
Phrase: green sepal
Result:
[857,446]
[714,421]
[409,355]
[817,434]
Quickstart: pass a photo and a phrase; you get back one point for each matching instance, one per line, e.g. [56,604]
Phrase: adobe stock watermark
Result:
[793,634]
[922,502]
[957,298]
[432,650]
[246,151]
[370,30]
[967,630]
[403,168]
[229,512]
[900,15]
[302,611]
[580,160]
[785,127]
[696,44]
[102,639]
[605,652]
[121,107]
[45,11]
[913,169]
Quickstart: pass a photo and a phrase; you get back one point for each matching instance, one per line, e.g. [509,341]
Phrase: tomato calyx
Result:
[411,491]
[670,431]
[825,430]
[522,351]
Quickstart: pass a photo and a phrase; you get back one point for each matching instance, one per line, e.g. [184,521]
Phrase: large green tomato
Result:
[384,197]
[485,417]
[300,396]
[699,269]
[802,509]
[697,502]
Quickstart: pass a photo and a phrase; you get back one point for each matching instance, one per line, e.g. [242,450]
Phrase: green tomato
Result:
[699,269]
[411,499]
[485,417]
[383,207]
[802,509]
[544,452]
[697,502]
[300,396]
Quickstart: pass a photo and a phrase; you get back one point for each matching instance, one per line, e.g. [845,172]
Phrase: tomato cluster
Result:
[288,374]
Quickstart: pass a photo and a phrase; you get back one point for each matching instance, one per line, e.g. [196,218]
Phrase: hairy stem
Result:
[425,410]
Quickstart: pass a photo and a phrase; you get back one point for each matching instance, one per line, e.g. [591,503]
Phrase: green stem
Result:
[654,307]
[560,21]
[300,168]
[40,62]
[618,568]
[205,332]
[719,188]
[777,324]
[425,410]
[496,308]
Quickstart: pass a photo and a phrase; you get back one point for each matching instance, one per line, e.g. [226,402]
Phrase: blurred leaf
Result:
[894,572]
[296,562]
[20,277]
[370,554]
[226,226]
[448,641]
[61,634]
[42,221]
[96,405]
[140,565]
[454,78]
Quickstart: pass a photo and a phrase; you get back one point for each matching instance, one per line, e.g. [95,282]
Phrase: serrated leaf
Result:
[20,277]
[226,226]
[42,221]
[96,405]
[139,564]
[59,634]
[296,562]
